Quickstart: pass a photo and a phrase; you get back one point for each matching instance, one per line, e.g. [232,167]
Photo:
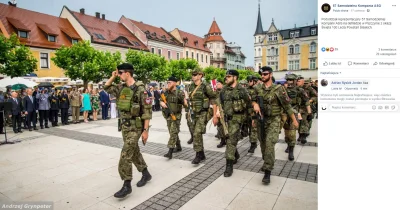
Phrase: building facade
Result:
[293,49]
[103,34]
[235,59]
[42,33]
[157,39]
[194,47]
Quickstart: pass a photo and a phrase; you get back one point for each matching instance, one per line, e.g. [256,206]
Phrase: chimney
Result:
[13,3]
[103,16]
[98,14]
[82,11]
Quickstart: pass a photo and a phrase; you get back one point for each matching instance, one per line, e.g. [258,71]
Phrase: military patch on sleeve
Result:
[148,101]
[122,97]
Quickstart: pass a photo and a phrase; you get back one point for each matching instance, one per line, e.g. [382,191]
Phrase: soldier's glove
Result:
[310,117]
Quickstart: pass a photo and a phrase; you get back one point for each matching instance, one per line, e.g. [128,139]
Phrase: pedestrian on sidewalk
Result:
[105,102]
[113,106]
[44,108]
[64,106]
[86,105]
[75,99]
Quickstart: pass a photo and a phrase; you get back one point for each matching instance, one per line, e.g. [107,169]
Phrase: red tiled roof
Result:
[38,25]
[108,32]
[191,41]
[214,34]
[155,33]
[214,28]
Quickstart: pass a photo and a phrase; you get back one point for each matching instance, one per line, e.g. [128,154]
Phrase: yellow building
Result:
[42,33]
[293,49]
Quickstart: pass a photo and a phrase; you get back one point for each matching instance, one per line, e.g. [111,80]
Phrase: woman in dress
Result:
[95,99]
[86,107]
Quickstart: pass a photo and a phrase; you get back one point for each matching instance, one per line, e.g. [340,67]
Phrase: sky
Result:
[237,19]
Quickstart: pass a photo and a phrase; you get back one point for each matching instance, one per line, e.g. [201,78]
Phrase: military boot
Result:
[197,159]
[291,156]
[191,139]
[222,143]
[229,168]
[125,190]
[267,177]
[252,147]
[304,138]
[237,156]
[178,148]
[202,155]
[287,149]
[169,154]
[145,178]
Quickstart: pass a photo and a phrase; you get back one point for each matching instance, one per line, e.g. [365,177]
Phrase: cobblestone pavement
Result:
[179,193]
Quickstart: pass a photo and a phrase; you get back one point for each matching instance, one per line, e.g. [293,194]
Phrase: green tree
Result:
[82,61]
[15,58]
[108,62]
[148,66]
[212,72]
[180,68]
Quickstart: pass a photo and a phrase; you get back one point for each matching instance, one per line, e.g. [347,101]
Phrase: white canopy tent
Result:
[16,80]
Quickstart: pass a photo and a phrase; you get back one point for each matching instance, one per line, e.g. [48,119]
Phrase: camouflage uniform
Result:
[134,107]
[175,99]
[305,125]
[275,101]
[200,102]
[244,127]
[220,130]
[253,133]
[190,124]
[298,97]
[312,93]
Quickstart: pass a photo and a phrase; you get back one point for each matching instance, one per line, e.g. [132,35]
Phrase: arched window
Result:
[297,49]
[313,47]
[259,39]
[291,49]
[259,51]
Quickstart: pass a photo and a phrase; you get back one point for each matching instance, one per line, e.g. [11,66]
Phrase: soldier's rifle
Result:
[190,110]
[167,110]
[260,119]
[222,116]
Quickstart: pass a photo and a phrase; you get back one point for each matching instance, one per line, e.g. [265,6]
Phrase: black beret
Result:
[265,68]
[125,66]
[232,72]
[172,78]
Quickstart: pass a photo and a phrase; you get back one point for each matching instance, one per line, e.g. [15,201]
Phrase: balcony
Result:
[218,59]
[312,55]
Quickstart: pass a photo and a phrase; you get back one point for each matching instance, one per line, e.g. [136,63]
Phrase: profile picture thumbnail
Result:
[326,8]
[324,82]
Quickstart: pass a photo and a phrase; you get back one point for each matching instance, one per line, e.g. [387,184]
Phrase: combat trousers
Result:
[233,138]
[304,125]
[190,124]
[283,120]
[253,134]
[290,131]
[130,152]
[199,126]
[174,128]
[75,113]
[272,126]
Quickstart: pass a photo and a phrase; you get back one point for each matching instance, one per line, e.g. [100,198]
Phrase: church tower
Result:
[259,36]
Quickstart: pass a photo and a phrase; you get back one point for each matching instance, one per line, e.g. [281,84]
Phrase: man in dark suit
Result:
[30,106]
[64,106]
[105,101]
[16,113]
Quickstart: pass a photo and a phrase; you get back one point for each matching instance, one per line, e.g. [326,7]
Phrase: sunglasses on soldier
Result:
[121,72]
[265,74]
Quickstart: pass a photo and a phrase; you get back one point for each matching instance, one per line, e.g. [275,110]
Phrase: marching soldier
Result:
[135,110]
[275,101]
[244,127]
[304,130]
[175,99]
[298,97]
[235,102]
[252,92]
[312,93]
[201,95]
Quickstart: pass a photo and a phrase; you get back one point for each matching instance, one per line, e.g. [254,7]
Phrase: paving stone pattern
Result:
[179,193]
